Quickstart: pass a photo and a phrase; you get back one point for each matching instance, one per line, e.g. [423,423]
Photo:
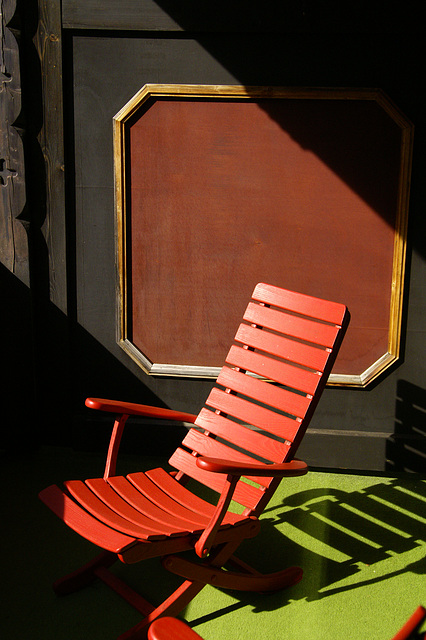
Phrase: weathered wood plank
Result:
[13,234]
[51,140]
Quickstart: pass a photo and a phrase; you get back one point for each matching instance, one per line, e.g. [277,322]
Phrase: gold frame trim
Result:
[225,91]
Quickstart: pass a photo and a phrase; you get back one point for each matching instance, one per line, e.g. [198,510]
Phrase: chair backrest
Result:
[267,391]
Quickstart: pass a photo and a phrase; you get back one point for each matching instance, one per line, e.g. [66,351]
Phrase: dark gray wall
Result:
[108,54]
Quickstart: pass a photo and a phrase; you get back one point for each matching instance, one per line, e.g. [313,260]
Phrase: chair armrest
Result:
[285,469]
[233,471]
[122,411]
[133,409]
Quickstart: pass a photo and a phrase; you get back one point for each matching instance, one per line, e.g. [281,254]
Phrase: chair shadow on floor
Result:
[339,538]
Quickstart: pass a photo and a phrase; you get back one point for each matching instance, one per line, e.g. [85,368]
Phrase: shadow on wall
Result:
[17,387]
[50,368]
[406,448]
[313,34]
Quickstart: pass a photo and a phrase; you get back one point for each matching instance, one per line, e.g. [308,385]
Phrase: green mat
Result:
[361,541]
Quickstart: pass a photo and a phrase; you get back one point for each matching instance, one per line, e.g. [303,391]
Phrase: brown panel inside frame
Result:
[225,193]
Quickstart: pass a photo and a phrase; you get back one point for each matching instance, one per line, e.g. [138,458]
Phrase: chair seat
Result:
[144,506]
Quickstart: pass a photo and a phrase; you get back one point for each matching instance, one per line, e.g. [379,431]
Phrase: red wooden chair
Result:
[250,427]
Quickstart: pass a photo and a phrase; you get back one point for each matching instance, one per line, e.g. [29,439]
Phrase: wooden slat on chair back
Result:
[267,391]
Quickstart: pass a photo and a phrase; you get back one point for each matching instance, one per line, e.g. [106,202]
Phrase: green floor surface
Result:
[361,541]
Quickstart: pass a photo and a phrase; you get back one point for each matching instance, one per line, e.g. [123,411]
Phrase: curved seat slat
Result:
[111,498]
[82,494]
[168,484]
[83,523]
[166,502]
[129,492]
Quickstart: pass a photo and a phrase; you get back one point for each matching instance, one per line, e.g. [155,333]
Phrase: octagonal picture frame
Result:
[323,171]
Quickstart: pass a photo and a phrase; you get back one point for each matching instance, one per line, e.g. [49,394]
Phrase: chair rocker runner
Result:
[250,428]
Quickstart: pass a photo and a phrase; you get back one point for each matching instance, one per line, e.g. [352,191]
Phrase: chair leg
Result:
[98,569]
[172,606]
[183,595]
[85,575]
[122,589]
